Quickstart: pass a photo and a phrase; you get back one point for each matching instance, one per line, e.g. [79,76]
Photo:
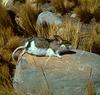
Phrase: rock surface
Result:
[66,76]
[49,18]
[48,7]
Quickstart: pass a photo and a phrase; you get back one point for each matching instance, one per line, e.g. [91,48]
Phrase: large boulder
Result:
[68,75]
[49,18]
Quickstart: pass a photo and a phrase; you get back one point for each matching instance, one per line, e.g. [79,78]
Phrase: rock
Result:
[48,7]
[49,18]
[60,76]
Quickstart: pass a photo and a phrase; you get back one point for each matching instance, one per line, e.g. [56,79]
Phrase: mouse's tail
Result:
[13,54]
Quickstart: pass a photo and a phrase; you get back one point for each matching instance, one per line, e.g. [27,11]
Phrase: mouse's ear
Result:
[58,38]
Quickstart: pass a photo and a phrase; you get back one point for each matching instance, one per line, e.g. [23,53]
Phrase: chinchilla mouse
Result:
[43,47]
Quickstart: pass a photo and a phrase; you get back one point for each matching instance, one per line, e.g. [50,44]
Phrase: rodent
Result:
[40,46]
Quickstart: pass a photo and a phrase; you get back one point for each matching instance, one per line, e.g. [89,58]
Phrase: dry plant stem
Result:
[76,37]
[90,85]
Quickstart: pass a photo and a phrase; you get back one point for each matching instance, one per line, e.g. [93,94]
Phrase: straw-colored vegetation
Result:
[87,10]
[63,6]
[41,1]
[27,16]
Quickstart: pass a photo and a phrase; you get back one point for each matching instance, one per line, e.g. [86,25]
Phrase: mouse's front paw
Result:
[59,56]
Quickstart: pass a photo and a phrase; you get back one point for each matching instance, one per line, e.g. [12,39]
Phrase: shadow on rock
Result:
[67,52]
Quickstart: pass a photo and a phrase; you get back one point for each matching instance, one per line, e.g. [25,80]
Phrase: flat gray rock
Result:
[60,76]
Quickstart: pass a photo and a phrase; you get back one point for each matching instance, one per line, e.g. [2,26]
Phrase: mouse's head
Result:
[59,44]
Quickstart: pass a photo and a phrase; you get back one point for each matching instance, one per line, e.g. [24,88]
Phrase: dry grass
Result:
[27,16]
[46,31]
[85,9]
[41,1]
[63,6]
[21,1]
[8,42]
[6,48]
[3,14]
[90,85]
[4,75]
[90,88]
[90,41]
[95,39]
[88,9]
[70,32]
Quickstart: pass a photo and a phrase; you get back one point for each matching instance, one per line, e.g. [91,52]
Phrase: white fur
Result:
[41,51]
[36,51]
[50,52]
